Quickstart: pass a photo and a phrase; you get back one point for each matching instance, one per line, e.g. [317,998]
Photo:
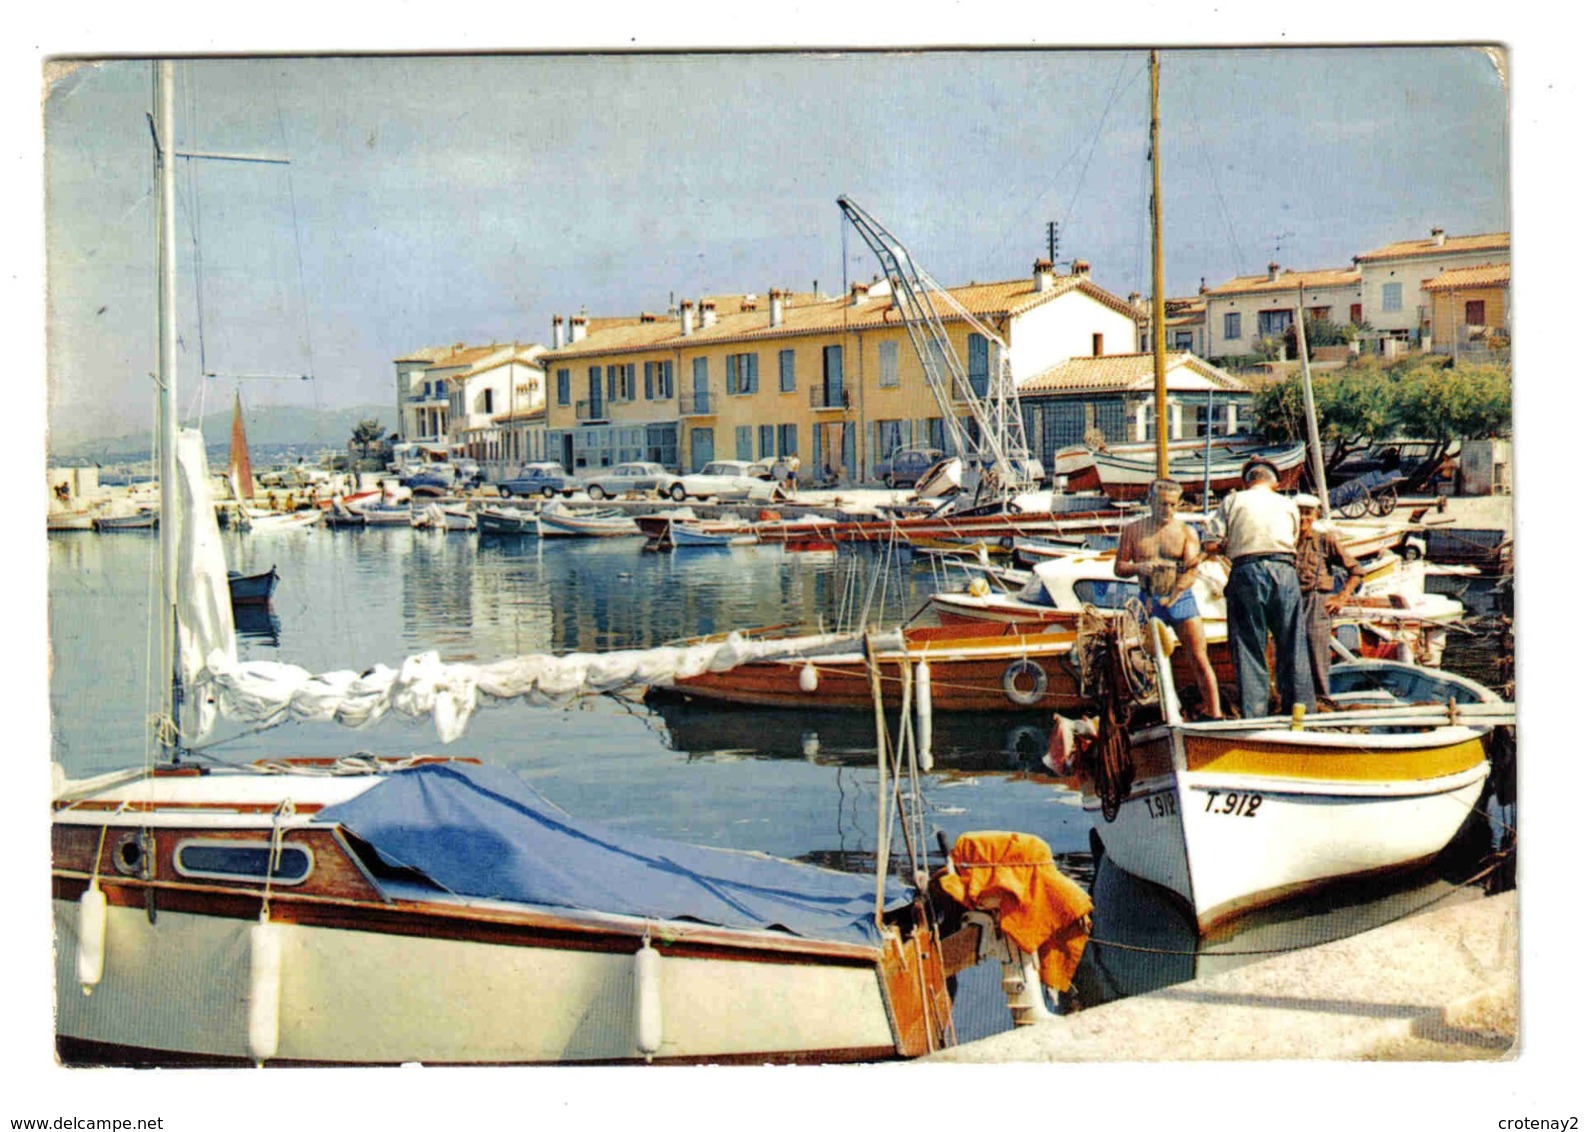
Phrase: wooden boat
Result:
[252,589]
[435,517]
[698,535]
[385,515]
[559,522]
[271,522]
[990,525]
[1124,476]
[506,521]
[1001,668]
[143,519]
[1231,815]
[339,514]
[633,949]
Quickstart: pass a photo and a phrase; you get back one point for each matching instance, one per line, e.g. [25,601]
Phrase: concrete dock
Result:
[1438,986]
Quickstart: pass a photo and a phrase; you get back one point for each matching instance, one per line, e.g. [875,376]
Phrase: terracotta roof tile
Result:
[1289,281]
[1121,373]
[1484,275]
[1491,241]
[426,354]
[501,356]
[827,315]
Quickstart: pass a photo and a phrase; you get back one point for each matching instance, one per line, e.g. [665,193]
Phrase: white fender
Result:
[808,678]
[648,999]
[924,715]
[264,989]
[91,915]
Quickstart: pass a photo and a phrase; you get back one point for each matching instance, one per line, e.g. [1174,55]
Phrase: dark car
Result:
[904,466]
[539,479]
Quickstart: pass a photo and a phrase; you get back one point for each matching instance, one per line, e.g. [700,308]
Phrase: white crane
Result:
[998,452]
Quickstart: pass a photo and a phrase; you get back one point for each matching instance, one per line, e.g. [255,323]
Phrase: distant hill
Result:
[271,428]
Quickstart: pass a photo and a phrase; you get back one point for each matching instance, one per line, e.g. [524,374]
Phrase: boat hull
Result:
[1251,822]
[439,990]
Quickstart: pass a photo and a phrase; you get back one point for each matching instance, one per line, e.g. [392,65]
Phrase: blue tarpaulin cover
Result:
[482,831]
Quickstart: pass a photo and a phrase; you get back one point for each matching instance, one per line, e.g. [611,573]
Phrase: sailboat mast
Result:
[1315,448]
[1161,414]
[165,164]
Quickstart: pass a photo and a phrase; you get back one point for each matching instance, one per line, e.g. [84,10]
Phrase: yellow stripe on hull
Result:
[1336,763]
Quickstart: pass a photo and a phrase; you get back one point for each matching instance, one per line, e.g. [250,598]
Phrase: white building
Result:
[506,381]
[1393,277]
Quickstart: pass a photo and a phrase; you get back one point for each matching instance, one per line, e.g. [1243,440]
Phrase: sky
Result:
[440,199]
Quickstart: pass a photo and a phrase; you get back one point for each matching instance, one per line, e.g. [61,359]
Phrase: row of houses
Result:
[835,380]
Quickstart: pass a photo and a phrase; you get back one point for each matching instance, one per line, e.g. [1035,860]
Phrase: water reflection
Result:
[257,622]
[1144,940]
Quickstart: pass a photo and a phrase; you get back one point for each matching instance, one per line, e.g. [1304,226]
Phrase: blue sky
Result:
[472,198]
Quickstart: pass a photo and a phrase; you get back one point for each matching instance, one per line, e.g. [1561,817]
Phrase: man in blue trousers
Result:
[1257,529]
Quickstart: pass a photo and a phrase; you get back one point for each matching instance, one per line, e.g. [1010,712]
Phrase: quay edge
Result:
[1438,986]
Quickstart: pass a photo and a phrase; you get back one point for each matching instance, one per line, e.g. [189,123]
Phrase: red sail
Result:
[242,475]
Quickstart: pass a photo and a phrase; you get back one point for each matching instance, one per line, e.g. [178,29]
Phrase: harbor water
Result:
[785,782]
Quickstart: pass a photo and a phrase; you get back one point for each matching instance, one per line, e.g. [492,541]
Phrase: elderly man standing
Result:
[1162,553]
[1257,528]
[1319,554]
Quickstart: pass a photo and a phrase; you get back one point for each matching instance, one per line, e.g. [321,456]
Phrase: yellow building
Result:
[1470,310]
[834,381]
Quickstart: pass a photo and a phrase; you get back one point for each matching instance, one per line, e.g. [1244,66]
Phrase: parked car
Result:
[725,479]
[539,479]
[295,477]
[623,479]
[904,466]
[1396,457]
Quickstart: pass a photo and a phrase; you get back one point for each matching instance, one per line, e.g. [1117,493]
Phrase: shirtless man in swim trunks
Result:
[1162,553]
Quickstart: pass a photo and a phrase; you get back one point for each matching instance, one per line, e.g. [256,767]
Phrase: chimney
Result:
[857,294]
[647,317]
[1135,299]
[1274,272]
[576,329]
[686,318]
[748,303]
[708,313]
[775,307]
[1042,275]
[557,332]
[1202,285]
[1438,235]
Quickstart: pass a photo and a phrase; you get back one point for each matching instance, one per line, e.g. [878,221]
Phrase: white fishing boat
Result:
[385,515]
[1230,815]
[257,520]
[558,521]
[688,535]
[435,517]
[362,911]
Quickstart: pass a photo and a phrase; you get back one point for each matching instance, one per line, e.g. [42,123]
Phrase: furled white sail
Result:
[204,603]
[267,693]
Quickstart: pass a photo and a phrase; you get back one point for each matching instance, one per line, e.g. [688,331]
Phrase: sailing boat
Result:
[367,911]
[1232,815]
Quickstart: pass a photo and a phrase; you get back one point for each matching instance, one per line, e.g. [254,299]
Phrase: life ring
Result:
[1013,675]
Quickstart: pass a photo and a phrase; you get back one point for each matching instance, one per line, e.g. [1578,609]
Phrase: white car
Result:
[724,479]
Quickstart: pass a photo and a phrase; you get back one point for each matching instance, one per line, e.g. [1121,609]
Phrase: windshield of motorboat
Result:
[1035,592]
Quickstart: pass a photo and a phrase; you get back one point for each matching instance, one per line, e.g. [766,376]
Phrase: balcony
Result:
[694,404]
[823,398]
[591,411]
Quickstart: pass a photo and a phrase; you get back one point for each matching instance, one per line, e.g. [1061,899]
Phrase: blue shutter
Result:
[754,359]
[650,369]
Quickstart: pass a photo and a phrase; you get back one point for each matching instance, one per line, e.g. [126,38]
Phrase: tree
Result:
[1422,398]
[367,434]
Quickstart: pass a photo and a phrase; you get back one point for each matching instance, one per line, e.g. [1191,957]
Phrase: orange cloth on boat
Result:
[1042,910]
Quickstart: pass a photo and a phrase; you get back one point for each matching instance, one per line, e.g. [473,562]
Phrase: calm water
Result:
[787,783]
